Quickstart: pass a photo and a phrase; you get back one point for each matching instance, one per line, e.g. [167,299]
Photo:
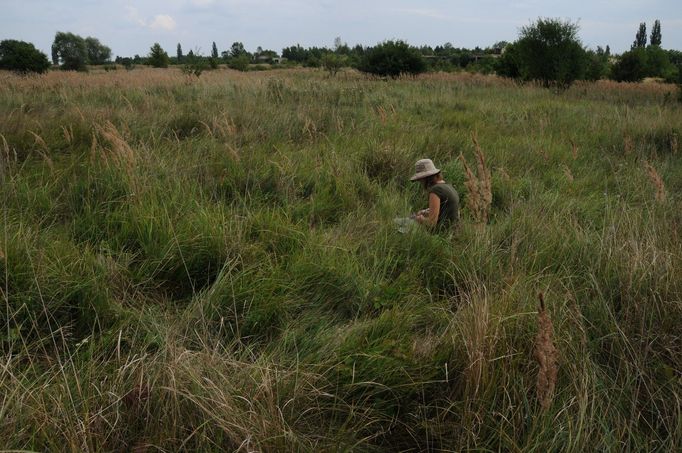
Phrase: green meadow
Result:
[211,264]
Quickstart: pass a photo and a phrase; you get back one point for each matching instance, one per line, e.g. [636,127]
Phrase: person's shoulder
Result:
[434,189]
[449,187]
[440,188]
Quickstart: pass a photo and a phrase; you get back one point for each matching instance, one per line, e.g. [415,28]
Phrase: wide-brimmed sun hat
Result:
[423,169]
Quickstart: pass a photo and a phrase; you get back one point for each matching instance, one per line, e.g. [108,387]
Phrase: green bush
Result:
[240,63]
[22,56]
[392,58]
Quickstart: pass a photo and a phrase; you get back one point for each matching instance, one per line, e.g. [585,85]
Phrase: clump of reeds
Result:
[546,355]
[657,181]
[479,187]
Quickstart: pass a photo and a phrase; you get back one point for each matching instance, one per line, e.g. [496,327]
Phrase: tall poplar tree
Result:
[656,34]
[640,37]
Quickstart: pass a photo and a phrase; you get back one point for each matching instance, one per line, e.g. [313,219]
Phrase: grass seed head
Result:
[546,355]
[479,185]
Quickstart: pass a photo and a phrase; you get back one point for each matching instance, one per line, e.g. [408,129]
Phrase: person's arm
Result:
[434,210]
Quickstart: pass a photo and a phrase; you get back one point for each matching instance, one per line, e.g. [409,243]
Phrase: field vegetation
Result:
[211,264]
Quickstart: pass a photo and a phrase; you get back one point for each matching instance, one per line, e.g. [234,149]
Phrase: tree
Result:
[179,53]
[22,56]
[295,53]
[97,52]
[237,50]
[240,63]
[631,67]
[71,51]
[640,37]
[392,58]
[597,65]
[158,57]
[508,65]
[657,62]
[332,62]
[214,51]
[549,51]
[341,47]
[656,33]
[195,65]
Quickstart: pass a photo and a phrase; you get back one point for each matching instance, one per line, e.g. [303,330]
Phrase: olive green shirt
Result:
[449,204]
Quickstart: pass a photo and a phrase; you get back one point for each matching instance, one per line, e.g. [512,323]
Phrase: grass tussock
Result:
[213,265]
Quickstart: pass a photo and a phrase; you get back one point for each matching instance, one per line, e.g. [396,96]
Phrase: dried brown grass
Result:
[574,149]
[674,144]
[120,153]
[628,144]
[479,187]
[657,181]
[547,357]
[568,173]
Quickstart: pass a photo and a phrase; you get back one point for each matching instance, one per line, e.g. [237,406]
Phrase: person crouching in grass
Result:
[443,210]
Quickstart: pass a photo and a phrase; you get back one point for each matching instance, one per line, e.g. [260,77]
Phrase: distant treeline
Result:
[545,46]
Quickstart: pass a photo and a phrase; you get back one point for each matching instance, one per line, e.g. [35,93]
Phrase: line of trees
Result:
[73,52]
[548,50]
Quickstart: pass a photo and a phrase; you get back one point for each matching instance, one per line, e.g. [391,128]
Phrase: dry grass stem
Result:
[674,145]
[657,181]
[68,134]
[547,356]
[628,144]
[120,152]
[567,173]
[574,149]
[382,114]
[479,187]
[39,140]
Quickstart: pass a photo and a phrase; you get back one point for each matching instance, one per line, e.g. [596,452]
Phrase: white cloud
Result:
[162,22]
[133,15]
[159,22]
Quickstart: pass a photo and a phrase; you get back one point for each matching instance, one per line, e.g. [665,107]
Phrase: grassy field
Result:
[211,264]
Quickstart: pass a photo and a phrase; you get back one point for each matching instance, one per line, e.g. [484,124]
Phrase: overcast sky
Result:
[130,27]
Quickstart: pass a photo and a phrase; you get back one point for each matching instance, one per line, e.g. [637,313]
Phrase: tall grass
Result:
[213,266]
